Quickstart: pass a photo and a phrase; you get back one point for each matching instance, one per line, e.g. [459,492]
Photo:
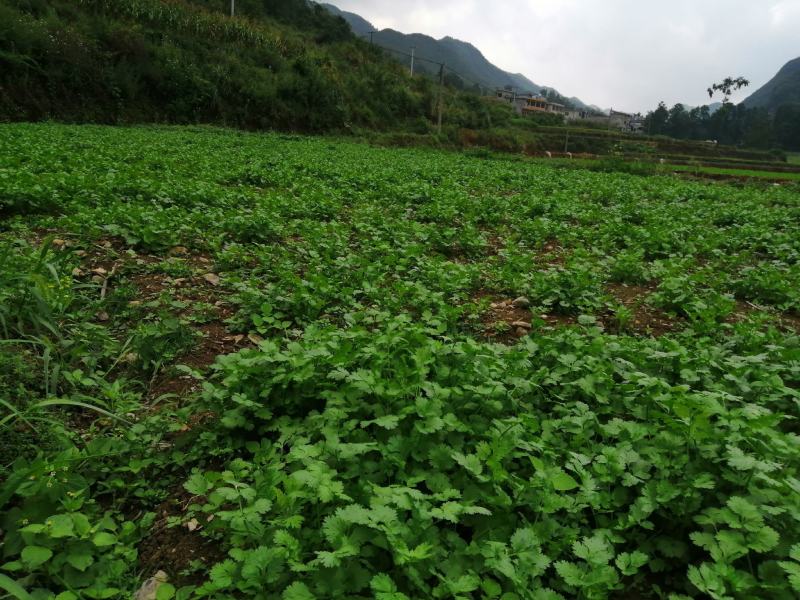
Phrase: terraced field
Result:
[261,366]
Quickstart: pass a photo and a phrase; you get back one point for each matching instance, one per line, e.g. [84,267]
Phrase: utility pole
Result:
[413,51]
[371,33]
[441,97]
[566,142]
[233,7]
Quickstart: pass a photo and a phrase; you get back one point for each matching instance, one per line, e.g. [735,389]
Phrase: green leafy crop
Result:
[277,367]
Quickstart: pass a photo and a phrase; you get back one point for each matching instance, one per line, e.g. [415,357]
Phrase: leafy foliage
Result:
[361,432]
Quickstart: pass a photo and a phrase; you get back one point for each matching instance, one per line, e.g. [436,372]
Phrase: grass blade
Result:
[75,403]
[13,588]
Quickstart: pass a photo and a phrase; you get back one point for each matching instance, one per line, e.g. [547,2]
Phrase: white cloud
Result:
[785,13]
[623,53]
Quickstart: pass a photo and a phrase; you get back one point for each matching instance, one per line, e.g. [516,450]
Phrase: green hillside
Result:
[781,90]
[283,64]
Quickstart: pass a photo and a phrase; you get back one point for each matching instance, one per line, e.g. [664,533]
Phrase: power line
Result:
[416,57]
[442,70]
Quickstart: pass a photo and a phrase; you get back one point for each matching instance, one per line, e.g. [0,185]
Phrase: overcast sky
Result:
[625,54]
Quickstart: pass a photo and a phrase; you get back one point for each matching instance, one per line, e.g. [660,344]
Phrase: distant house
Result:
[535,104]
[618,120]
[517,100]
[576,115]
[636,124]
[529,104]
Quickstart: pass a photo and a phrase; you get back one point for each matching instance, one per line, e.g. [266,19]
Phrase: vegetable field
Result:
[264,366]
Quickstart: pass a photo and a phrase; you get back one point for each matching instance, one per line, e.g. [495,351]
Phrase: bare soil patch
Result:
[646,319]
[786,320]
[503,322]
[552,254]
[216,341]
[494,245]
[173,549]
[790,321]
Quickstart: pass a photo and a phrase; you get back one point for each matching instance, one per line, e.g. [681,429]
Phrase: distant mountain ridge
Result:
[782,89]
[461,57]
[358,24]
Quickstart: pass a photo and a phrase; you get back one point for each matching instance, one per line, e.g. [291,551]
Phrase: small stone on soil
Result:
[212,278]
[149,589]
[255,338]
[521,302]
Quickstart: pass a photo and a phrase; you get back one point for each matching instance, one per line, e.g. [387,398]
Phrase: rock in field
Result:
[521,302]
[150,587]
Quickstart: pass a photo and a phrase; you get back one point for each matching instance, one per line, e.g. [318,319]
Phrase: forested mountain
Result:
[280,64]
[359,25]
[781,90]
[461,57]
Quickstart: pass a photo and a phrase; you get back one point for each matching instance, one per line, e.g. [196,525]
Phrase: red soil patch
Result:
[216,340]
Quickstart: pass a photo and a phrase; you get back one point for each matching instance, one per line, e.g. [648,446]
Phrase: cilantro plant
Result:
[239,365]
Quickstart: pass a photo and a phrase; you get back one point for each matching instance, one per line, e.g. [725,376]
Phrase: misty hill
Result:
[461,57]
[782,89]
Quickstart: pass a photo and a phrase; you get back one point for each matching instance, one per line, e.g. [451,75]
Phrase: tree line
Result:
[729,124]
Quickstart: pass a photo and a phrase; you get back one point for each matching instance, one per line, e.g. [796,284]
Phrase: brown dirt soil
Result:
[504,313]
[494,244]
[172,549]
[552,254]
[216,341]
[107,261]
[742,311]
[108,258]
[786,320]
[150,285]
[172,385]
[553,321]
[646,319]
[790,321]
